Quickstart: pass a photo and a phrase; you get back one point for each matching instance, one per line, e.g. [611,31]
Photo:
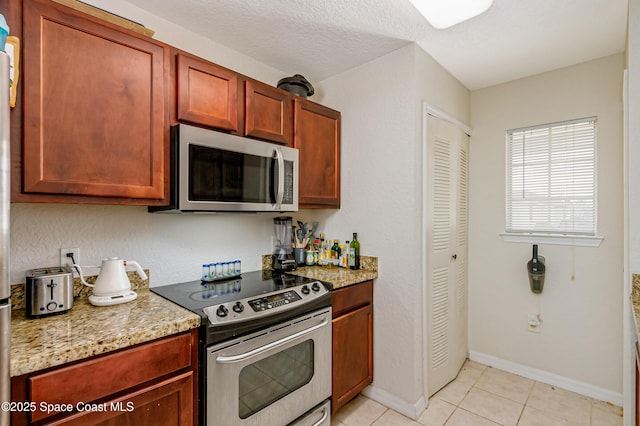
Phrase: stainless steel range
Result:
[265,349]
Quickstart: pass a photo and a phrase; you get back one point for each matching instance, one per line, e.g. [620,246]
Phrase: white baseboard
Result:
[549,378]
[413,411]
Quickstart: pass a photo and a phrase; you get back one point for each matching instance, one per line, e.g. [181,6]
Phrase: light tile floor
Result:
[485,396]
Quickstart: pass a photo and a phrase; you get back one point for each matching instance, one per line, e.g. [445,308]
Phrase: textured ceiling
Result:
[321,38]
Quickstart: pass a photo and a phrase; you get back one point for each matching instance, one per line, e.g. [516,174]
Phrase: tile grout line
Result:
[379,417]
[474,384]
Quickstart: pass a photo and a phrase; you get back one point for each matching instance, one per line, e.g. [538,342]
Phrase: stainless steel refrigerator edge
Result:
[5,206]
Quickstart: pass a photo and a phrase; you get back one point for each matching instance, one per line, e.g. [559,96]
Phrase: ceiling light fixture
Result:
[446,13]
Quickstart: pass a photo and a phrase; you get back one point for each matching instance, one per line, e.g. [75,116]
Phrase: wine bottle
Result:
[354,253]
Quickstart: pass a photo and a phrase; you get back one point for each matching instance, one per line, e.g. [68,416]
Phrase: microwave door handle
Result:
[280,183]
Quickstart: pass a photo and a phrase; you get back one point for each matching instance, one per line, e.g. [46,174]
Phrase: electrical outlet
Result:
[533,323]
[66,260]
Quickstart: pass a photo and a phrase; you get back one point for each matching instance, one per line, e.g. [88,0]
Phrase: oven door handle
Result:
[269,346]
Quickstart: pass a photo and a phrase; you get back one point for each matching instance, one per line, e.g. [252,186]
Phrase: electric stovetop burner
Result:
[247,303]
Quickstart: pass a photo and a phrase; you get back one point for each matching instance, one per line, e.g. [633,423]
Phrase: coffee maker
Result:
[283,259]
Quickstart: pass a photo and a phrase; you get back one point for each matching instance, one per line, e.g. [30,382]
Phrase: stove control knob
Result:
[315,287]
[222,311]
[305,289]
[238,307]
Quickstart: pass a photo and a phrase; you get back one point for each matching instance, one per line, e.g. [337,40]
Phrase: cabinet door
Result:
[94,107]
[352,355]
[268,113]
[317,136]
[207,94]
[168,403]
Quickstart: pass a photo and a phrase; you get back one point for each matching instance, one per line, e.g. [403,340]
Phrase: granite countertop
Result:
[87,330]
[635,301]
[338,277]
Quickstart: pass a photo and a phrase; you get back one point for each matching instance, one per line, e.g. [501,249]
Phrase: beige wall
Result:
[381,104]
[633,201]
[633,58]
[581,333]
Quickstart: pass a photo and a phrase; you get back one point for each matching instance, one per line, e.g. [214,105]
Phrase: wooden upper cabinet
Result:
[94,108]
[317,136]
[207,94]
[268,113]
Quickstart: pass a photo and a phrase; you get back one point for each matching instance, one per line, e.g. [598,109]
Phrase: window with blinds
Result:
[551,178]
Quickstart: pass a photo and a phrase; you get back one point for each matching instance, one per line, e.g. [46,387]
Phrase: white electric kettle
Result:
[112,285]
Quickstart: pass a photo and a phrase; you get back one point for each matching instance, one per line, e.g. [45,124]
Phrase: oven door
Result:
[271,377]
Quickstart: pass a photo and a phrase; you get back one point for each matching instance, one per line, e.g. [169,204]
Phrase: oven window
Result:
[270,379]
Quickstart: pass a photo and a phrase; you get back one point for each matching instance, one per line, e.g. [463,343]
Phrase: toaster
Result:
[49,291]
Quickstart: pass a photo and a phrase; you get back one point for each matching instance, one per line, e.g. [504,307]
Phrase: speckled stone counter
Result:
[635,301]
[87,330]
[338,277]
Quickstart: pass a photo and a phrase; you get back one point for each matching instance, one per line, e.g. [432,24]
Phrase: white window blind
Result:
[551,178]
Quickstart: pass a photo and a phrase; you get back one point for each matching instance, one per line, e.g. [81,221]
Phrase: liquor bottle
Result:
[335,250]
[344,256]
[325,251]
[354,253]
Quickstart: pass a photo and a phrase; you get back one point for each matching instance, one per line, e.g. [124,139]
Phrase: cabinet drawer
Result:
[100,377]
[348,298]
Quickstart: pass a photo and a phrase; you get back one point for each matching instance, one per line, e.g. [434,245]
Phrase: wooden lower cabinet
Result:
[168,403]
[153,383]
[352,342]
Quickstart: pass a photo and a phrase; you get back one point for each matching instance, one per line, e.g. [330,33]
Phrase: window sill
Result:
[561,240]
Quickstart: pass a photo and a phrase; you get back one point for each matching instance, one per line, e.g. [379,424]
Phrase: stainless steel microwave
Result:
[218,172]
